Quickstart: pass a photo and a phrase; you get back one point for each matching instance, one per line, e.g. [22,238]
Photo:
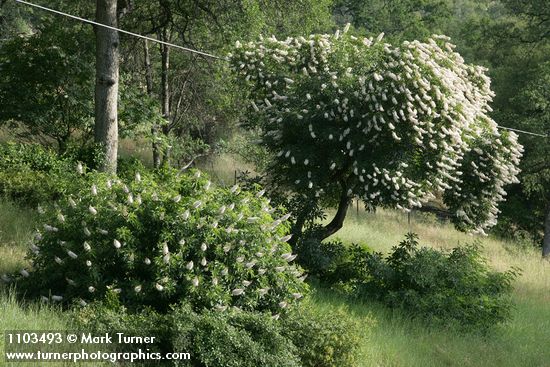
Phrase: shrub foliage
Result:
[331,261]
[159,239]
[30,174]
[303,337]
[233,339]
[456,287]
[323,339]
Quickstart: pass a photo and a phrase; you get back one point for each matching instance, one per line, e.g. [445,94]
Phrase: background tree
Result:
[13,20]
[45,83]
[194,95]
[345,117]
[511,38]
[199,104]
[528,109]
[106,87]
[535,177]
[48,75]
[398,19]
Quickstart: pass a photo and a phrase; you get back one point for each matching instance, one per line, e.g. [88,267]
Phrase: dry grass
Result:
[222,169]
[140,149]
[16,225]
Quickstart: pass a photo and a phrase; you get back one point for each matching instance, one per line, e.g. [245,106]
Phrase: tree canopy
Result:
[393,125]
[45,81]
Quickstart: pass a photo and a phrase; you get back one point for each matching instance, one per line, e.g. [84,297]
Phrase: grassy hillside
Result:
[395,341]
[389,339]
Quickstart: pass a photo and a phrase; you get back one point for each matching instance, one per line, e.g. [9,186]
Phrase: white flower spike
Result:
[237,292]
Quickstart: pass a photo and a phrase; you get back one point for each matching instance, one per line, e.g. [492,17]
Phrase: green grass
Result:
[16,226]
[390,338]
[393,340]
[33,316]
[136,148]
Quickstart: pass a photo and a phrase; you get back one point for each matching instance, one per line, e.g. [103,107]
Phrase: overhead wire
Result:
[202,53]
[121,30]
[522,131]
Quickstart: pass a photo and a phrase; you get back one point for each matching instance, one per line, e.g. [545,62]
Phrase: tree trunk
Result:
[154,128]
[338,221]
[546,240]
[106,87]
[165,91]
[62,144]
[335,224]
[298,228]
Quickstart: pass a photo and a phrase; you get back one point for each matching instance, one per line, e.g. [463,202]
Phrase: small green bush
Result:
[31,174]
[301,338]
[231,339]
[109,316]
[90,154]
[33,156]
[26,187]
[456,288]
[332,261]
[163,238]
[322,339]
[128,167]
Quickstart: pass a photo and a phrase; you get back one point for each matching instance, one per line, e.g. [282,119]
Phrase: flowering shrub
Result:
[160,239]
[391,125]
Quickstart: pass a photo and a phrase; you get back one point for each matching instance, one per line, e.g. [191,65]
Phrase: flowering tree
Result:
[348,117]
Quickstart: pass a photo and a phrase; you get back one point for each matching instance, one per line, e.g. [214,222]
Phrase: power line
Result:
[189,49]
[522,131]
[121,30]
